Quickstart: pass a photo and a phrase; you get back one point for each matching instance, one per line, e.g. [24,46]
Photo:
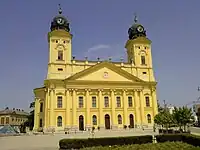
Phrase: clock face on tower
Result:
[60,21]
[140,28]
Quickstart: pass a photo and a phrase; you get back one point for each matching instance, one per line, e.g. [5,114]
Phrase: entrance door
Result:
[131,121]
[81,123]
[107,121]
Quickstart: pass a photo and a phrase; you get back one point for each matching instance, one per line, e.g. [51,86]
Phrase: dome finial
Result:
[135,18]
[60,10]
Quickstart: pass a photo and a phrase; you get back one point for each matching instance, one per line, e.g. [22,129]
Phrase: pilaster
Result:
[52,105]
[67,108]
[36,114]
[125,104]
[46,101]
[100,101]
[88,106]
[137,110]
[154,101]
[113,106]
[74,109]
[142,107]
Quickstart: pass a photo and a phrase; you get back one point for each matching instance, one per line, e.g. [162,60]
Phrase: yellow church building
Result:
[81,94]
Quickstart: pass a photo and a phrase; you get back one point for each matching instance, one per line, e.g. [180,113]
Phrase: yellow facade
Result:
[81,94]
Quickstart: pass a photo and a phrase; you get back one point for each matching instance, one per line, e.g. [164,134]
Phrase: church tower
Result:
[139,50]
[59,41]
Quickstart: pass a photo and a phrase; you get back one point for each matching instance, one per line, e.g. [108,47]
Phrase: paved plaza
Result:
[50,142]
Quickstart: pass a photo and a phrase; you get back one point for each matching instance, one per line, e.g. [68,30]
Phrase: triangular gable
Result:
[105,71]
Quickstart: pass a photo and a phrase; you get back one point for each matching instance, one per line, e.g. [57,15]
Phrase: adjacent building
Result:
[81,94]
[13,117]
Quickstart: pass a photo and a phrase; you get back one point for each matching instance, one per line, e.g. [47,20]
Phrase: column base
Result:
[114,127]
[74,128]
[88,128]
[101,127]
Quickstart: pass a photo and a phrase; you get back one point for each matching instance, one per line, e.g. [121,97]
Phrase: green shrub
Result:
[81,143]
[169,137]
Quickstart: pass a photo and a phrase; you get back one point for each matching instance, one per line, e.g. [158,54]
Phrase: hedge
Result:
[90,142]
[149,146]
[109,141]
[186,138]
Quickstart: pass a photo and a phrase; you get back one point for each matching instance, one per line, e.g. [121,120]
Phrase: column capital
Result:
[74,89]
[136,90]
[124,90]
[88,90]
[153,89]
[37,98]
[112,90]
[100,90]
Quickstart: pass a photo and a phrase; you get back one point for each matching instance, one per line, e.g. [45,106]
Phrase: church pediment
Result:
[105,71]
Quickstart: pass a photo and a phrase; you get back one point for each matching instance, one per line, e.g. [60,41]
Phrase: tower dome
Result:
[136,30]
[59,22]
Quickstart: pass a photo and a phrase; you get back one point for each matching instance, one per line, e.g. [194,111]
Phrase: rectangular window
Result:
[144,72]
[106,101]
[143,60]
[2,120]
[94,102]
[80,102]
[41,107]
[147,101]
[7,120]
[130,101]
[59,102]
[60,55]
[60,69]
[118,101]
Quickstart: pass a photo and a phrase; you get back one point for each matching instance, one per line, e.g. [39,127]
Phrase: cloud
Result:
[104,52]
[98,47]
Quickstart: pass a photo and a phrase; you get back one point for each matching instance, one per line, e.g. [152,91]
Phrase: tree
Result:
[182,116]
[31,116]
[164,118]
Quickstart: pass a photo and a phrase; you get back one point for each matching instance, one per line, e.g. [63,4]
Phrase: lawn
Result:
[157,146]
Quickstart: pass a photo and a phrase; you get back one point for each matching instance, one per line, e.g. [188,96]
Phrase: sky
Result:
[99,29]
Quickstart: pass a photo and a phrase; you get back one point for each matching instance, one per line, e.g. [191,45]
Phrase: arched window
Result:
[119,119]
[59,102]
[94,120]
[59,121]
[60,55]
[106,101]
[143,60]
[41,107]
[149,118]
